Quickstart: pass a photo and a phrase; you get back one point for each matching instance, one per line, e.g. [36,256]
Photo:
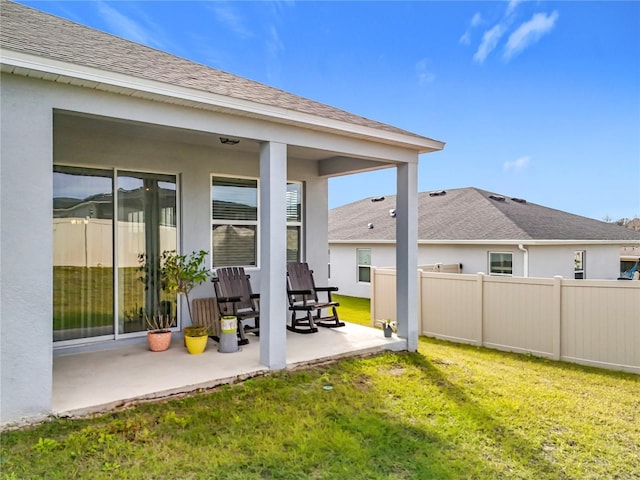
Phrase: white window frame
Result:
[359,265]
[499,274]
[256,223]
[299,223]
[579,260]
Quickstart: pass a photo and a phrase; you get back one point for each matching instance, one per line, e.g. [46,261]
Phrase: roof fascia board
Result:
[135,84]
[525,243]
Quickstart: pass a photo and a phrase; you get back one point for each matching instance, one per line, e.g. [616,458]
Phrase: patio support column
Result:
[407,253]
[273,255]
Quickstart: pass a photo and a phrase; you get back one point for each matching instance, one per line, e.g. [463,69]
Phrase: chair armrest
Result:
[327,289]
[299,292]
[255,295]
[229,299]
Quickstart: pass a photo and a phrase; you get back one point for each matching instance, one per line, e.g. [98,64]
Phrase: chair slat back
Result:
[233,282]
[300,277]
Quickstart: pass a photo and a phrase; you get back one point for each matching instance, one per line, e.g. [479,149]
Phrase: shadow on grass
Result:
[515,450]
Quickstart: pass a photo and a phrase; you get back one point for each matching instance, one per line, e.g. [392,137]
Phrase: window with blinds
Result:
[234,226]
[234,207]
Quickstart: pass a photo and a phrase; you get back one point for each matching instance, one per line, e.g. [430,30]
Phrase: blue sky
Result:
[537,100]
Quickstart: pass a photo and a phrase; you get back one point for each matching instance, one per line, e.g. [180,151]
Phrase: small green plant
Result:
[159,323]
[45,444]
[172,417]
[180,273]
[386,323]
[110,466]
[195,331]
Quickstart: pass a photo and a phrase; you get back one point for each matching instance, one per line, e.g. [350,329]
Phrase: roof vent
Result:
[439,193]
[519,200]
[497,198]
[370,226]
[392,213]
[377,199]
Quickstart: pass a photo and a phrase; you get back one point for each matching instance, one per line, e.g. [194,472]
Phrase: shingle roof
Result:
[465,214]
[29,31]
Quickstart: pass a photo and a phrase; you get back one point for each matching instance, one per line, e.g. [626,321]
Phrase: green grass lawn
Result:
[353,309]
[446,412]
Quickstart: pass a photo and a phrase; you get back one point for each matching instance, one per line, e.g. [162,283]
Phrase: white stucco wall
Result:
[26,248]
[32,141]
[602,261]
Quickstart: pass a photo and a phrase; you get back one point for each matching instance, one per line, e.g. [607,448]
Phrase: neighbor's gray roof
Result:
[29,31]
[470,214]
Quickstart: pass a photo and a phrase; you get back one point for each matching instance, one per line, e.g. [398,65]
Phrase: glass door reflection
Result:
[82,253]
[146,227]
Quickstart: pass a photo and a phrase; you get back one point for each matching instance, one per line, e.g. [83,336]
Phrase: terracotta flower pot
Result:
[158,340]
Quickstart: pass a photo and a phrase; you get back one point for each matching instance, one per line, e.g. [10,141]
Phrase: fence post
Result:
[557,318]
[420,319]
[479,309]
[372,297]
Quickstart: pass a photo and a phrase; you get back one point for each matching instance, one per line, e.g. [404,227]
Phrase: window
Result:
[234,226]
[294,221]
[500,263]
[364,264]
[234,221]
[579,258]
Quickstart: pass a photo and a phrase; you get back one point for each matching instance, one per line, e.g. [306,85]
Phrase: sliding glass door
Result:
[146,228]
[87,243]
[83,253]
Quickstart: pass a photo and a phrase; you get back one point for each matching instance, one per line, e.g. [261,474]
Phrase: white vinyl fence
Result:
[591,322]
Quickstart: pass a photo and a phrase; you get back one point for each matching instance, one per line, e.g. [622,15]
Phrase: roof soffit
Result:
[53,70]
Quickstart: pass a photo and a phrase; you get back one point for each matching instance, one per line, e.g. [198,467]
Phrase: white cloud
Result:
[512,6]
[476,20]
[228,16]
[126,27]
[517,165]
[425,75]
[490,40]
[529,33]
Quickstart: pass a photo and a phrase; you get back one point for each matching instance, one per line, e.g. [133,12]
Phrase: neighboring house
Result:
[483,231]
[111,150]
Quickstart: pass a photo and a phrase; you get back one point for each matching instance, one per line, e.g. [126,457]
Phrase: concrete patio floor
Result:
[98,381]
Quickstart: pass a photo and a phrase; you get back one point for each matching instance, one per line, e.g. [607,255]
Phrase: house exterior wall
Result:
[602,261]
[26,245]
[31,144]
[545,261]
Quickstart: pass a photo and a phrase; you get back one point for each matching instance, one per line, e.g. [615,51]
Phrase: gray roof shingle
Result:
[29,31]
[465,214]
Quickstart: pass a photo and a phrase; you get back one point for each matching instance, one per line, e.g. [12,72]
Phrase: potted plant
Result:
[195,339]
[159,332]
[388,327]
[180,273]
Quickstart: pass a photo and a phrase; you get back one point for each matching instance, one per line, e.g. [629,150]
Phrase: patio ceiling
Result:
[330,163]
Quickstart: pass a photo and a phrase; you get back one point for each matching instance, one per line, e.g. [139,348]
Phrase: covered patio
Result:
[132,152]
[96,381]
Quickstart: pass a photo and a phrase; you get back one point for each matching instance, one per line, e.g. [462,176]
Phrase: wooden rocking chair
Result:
[303,297]
[234,297]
